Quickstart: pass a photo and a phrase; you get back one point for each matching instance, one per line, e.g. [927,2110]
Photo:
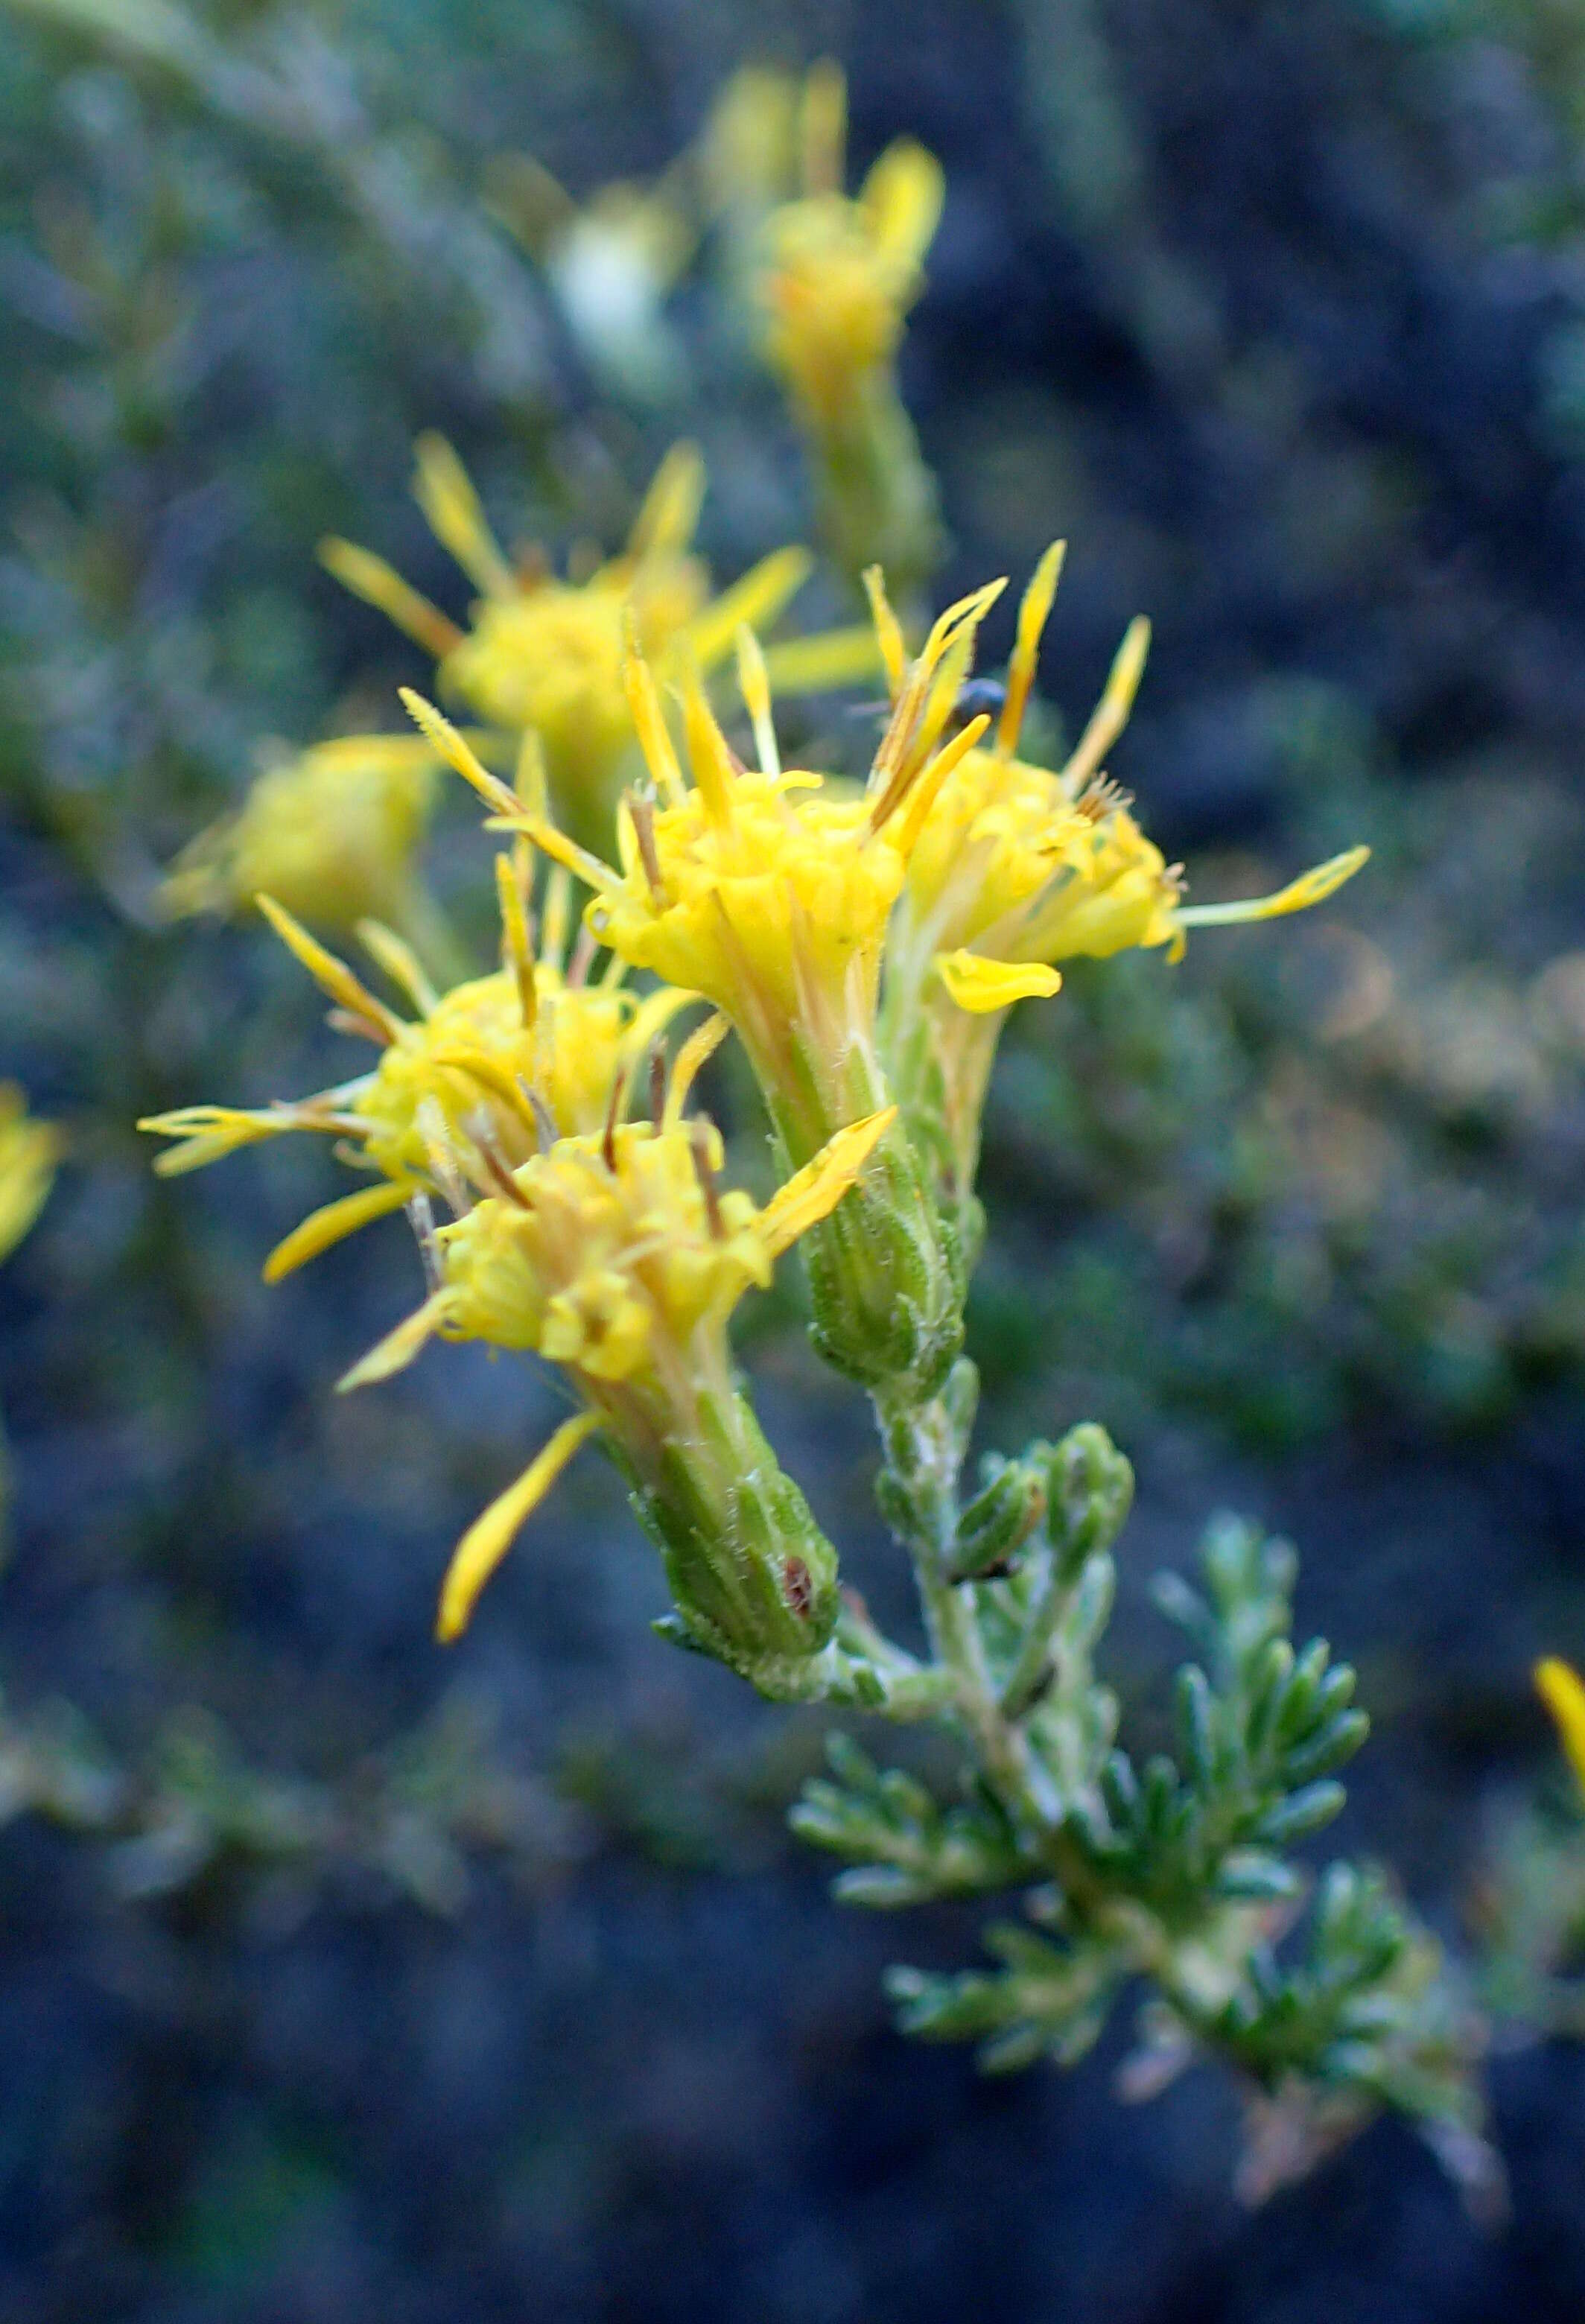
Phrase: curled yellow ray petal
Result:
[445,491]
[1032,618]
[700,1046]
[332,975]
[708,754]
[1562,1692]
[400,963]
[927,788]
[888,636]
[1110,714]
[669,517]
[1312,887]
[369,576]
[644,702]
[754,601]
[816,1190]
[456,753]
[754,686]
[397,1350]
[333,1222]
[983,986]
[489,1537]
[209,1132]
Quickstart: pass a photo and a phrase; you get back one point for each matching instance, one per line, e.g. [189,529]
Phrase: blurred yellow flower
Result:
[463,1093]
[29,1151]
[840,274]
[546,654]
[334,832]
[1562,1692]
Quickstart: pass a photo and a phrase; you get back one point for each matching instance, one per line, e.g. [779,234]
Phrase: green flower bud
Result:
[998,1521]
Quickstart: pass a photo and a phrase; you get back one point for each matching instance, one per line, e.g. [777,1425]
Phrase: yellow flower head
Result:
[547,654]
[753,886]
[620,1257]
[1563,1691]
[840,274]
[333,832]
[464,1092]
[1018,866]
[29,1151]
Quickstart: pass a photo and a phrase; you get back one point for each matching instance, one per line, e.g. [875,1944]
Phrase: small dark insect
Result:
[800,1590]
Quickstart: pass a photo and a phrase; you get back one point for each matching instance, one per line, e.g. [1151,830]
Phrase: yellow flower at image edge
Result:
[1562,1692]
[620,1257]
[29,1151]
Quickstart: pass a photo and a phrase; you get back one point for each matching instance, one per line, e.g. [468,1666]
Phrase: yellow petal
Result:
[754,686]
[456,753]
[209,1132]
[983,986]
[700,1046]
[1312,887]
[445,491]
[378,584]
[665,523]
[1032,619]
[755,600]
[397,1350]
[1110,714]
[400,963]
[333,1222]
[1562,1691]
[644,702]
[565,852]
[811,1193]
[331,974]
[902,198]
[888,636]
[489,1537]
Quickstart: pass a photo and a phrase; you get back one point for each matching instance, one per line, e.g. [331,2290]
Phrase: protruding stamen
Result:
[754,686]
[648,719]
[331,974]
[887,631]
[700,1046]
[657,1085]
[583,959]
[516,944]
[1021,669]
[669,517]
[445,1168]
[708,752]
[497,1165]
[1110,714]
[457,754]
[445,491]
[379,585]
[544,1120]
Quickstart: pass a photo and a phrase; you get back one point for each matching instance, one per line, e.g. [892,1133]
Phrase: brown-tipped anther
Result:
[498,1167]
[699,1146]
[642,812]
[657,1085]
[615,1108]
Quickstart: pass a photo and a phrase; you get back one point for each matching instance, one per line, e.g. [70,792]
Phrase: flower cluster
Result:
[546,654]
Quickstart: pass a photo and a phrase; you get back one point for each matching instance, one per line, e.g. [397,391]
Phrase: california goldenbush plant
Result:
[918,910]
[862,943]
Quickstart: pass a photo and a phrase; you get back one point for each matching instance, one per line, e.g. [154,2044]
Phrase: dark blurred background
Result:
[345,1980]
